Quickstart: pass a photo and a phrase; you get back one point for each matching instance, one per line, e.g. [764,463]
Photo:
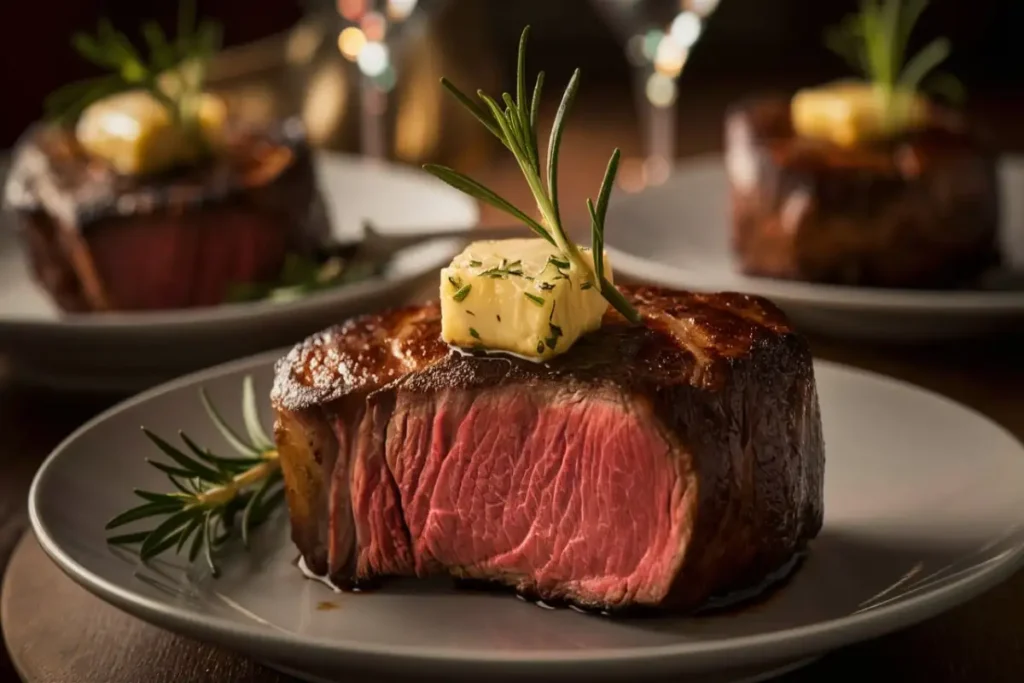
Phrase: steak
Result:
[100,241]
[920,211]
[656,465]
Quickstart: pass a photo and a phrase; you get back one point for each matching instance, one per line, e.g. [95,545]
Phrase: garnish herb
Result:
[300,276]
[505,270]
[558,263]
[874,41]
[463,292]
[473,333]
[534,298]
[475,264]
[215,497]
[516,127]
[173,72]
[556,332]
[546,286]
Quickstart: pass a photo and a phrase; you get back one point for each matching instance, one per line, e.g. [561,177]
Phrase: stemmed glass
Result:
[658,36]
[368,36]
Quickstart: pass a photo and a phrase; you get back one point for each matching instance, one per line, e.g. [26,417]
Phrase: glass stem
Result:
[658,129]
[373,106]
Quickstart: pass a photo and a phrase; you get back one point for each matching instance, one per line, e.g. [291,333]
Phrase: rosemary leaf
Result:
[208,533]
[161,54]
[923,62]
[152,497]
[534,298]
[486,195]
[251,505]
[129,539]
[226,431]
[474,109]
[187,532]
[196,468]
[197,543]
[155,542]
[555,141]
[251,416]
[462,293]
[142,512]
[535,113]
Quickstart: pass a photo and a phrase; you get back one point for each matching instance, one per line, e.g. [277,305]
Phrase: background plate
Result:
[677,234]
[131,351]
[923,511]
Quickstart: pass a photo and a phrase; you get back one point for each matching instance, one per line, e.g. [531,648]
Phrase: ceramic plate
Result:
[128,352]
[677,234]
[923,510]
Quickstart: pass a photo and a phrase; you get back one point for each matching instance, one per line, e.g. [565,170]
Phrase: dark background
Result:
[755,41]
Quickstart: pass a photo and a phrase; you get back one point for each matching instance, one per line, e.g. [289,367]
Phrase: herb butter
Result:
[519,296]
[135,133]
[849,113]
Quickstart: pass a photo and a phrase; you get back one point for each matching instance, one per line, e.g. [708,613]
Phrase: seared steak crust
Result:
[710,410]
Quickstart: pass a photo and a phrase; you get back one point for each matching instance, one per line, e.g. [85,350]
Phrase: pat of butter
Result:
[850,112]
[136,134]
[519,296]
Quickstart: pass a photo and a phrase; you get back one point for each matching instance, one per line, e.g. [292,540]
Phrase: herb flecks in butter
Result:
[521,301]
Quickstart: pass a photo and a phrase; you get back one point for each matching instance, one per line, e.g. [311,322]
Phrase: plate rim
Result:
[192,318]
[751,649]
[953,302]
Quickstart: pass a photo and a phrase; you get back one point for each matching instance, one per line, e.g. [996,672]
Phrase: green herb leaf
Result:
[484,194]
[473,333]
[534,298]
[555,141]
[462,293]
[924,62]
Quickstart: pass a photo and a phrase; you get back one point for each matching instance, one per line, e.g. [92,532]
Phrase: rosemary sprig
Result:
[875,39]
[515,126]
[173,72]
[214,496]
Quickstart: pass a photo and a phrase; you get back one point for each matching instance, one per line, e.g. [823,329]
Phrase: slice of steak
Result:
[648,466]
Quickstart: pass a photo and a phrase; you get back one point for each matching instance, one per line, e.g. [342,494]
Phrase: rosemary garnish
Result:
[475,264]
[473,333]
[516,127]
[556,332]
[874,41]
[534,298]
[558,263]
[212,492]
[173,72]
[462,292]
[505,270]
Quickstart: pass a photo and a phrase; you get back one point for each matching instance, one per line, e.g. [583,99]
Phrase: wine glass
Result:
[658,36]
[369,34]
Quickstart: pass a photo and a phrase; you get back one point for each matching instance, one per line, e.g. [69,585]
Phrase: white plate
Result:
[677,234]
[924,501]
[132,351]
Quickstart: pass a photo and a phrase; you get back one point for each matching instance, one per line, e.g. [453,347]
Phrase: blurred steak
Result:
[99,241]
[648,466]
[921,211]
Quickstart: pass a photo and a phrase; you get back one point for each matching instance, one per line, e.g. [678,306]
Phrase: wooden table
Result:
[84,640]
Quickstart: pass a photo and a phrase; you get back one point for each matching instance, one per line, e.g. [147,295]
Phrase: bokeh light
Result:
[660,90]
[350,42]
[352,10]
[374,26]
[373,59]
[399,10]
[701,7]
[685,29]
[670,58]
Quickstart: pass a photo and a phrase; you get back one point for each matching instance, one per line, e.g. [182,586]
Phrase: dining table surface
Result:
[58,633]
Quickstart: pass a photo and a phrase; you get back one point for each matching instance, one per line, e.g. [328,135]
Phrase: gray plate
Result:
[678,235]
[128,352]
[924,506]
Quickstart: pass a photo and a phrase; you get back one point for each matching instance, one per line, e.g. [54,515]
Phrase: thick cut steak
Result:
[648,466]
